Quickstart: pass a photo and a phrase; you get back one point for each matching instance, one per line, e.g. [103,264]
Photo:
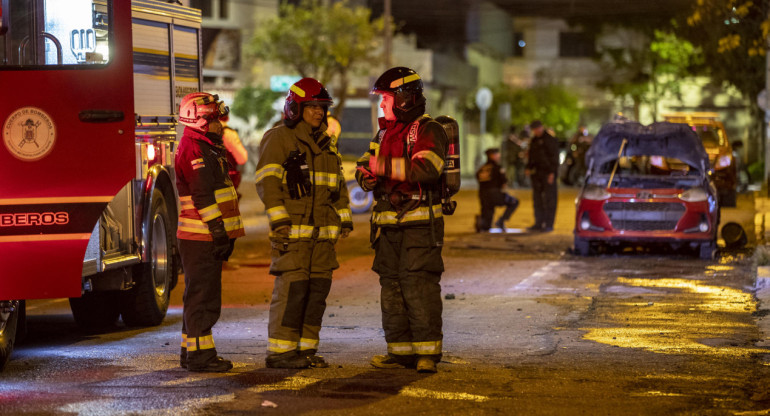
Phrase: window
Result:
[75,32]
[206,7]
[518,44]
[576,45]
[224,9]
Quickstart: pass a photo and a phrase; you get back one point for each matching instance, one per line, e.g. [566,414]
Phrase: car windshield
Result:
[710,135]
[652,165]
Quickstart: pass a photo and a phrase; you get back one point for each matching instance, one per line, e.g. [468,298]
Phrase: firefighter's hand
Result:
[282,231]
[551,177]
[369,183]
[222,248]
[345,232]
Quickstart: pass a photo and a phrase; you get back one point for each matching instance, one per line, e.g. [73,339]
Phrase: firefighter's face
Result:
[387,106]
[313,114]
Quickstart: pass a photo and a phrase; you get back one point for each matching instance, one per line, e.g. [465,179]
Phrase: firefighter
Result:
[402,169]
[492,180]
[236,153]
[299,179]
[209,223]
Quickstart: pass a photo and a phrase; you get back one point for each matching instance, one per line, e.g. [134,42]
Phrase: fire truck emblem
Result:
[29,133]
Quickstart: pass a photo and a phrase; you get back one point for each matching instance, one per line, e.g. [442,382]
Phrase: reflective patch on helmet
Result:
[405,80]
[297,90]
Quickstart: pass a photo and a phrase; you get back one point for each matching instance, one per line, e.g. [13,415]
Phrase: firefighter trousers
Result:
[202,300]
[303,278]
[408,260]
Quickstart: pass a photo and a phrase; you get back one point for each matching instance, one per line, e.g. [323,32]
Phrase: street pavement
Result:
[529,329]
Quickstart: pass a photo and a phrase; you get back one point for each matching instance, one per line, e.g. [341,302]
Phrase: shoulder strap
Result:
[412,136]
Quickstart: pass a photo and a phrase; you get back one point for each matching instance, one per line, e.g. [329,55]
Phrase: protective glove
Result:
[345,232]
[222,248]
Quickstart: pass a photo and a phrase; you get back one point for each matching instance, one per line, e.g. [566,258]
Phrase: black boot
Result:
[207,361]
[183,358]
[290,359]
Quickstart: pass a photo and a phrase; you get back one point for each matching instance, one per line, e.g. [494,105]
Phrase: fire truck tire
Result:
[21,326]
[96,311]
[360,200]
[147,302]
[8,326]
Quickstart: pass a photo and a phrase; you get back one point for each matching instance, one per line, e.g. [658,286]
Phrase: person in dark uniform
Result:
[209,223]
[542,167]
[492,182]
[403,168]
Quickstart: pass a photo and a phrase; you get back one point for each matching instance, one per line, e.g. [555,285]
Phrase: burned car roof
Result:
[664,139]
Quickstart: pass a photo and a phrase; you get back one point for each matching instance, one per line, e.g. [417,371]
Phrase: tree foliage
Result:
[552,104]
[732,35]
[255,102]
[327,42]
[647,66]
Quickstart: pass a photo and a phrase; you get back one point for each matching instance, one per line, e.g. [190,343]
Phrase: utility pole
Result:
[386,50]
[765,180]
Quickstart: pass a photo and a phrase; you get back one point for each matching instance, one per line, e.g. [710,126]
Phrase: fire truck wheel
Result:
[8,325]
[360,200]
[146,304]
[95,311]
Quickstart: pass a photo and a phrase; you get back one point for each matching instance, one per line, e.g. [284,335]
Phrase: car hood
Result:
[664,139]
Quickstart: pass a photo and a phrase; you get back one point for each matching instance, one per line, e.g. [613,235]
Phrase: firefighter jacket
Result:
[326,207]
[205,190]
[408,162]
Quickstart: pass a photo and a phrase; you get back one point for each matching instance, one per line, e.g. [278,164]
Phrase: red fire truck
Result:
[88,210]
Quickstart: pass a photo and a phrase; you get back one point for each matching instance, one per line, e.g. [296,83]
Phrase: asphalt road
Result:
[529,329]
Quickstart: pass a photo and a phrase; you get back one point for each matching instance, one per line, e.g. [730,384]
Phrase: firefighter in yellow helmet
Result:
[405,162]
[209,223]
[299,178]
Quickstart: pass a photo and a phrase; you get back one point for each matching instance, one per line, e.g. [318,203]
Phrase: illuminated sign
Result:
[281,83]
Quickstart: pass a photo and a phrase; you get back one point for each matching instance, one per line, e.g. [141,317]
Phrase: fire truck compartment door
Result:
[65,151]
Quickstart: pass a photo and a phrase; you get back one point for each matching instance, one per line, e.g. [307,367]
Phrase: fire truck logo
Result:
[29,133]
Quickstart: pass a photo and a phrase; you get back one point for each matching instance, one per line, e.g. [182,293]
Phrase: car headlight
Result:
[723,161]
[694,195]
[595,193]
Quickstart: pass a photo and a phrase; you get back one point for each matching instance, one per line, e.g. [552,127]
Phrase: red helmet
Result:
[197,109]
[306,91]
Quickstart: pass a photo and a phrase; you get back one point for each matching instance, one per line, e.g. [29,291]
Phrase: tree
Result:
[647,67]
[255,101]
[327,42]
[732,35]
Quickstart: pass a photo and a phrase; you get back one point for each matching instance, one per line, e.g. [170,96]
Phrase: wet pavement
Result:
[529,329]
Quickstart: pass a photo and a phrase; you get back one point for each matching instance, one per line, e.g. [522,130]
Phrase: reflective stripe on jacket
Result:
[205,189]
[326,208]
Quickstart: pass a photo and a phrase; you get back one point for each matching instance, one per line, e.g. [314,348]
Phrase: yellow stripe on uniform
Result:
[205,342]
[418,214]
[431,157]
[272,169]
[308,344]
[325,179]
[184,340]
[345,215]
[280,346]
[400,348]
[210,212]
[277,213]
[186,202]
[225,194]
[192,225]
[331,232]
[427,347]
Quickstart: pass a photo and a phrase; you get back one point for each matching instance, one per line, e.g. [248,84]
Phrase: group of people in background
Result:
[300,180]
[528,161]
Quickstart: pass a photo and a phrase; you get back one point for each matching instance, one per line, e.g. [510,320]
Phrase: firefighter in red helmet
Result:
[403,167]
[209,223]
[299,178]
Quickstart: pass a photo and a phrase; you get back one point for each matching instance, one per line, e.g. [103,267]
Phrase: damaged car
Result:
[647,185]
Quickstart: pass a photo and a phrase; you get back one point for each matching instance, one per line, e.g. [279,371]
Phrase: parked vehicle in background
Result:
[647,185]
[720,151]
[89,126]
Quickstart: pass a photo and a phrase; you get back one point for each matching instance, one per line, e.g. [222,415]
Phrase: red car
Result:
[647,185]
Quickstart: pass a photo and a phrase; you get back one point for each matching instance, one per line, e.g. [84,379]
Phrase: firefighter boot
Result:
[183,358]
[289,359]
[316,361]
[207,361]
[387,362]
[426,365]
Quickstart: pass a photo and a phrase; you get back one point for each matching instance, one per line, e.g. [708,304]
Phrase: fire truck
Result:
[88,210]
